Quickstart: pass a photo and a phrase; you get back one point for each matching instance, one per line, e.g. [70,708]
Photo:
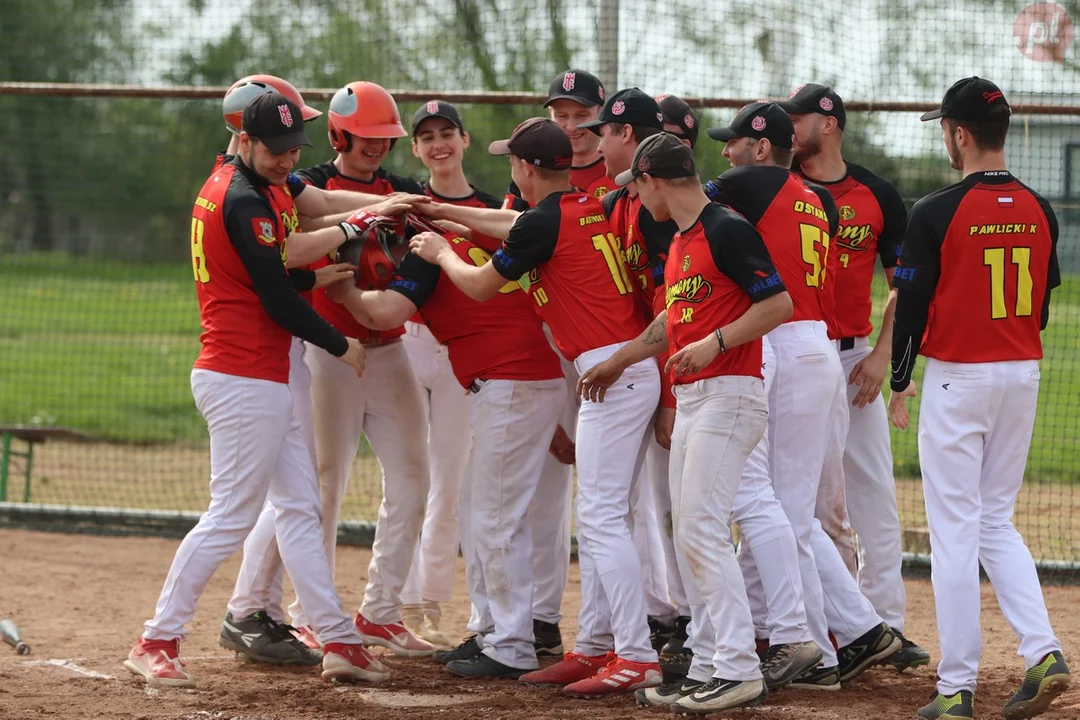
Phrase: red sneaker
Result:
[393,636]
[158,661]
[306,635]
[570,669]
[618,676]
[348,663]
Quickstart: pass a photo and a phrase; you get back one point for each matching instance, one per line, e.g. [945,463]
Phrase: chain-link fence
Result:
[110,119]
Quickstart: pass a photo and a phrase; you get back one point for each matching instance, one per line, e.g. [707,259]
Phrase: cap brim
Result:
[722,133]
[283,143]
[593,125]
[932,115]
[576,98]
[624,178]
[500,147]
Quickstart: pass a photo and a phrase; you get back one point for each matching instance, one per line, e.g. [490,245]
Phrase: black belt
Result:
[475,385]
[847,343]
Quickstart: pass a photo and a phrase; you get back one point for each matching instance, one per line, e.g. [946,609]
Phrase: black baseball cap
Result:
[814,98]
[662,155]
[631,106]
[276,121]
[580,86]
[758,120]
[677,111]
[436,108]
[539,142]
[973,99]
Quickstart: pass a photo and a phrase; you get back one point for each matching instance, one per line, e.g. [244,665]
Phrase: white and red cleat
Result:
[394,636]
[306,635]
[572,668]
[618,676]
[158,662]
[348,663]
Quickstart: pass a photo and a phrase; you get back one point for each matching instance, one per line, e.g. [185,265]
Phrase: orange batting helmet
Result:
[244,90]
[362,109]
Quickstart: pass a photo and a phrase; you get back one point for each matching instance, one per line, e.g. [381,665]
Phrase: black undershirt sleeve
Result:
[1053,270]
[295,185]
[828,204]
[279,297]
[531,241]
[915,280]
[749,190]
[739,252]
[416,279]
[302,279]
[894,227]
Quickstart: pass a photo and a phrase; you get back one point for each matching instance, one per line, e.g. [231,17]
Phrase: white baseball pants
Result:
[646,533]
[610,450]
[975,426]
[385,406]
[804,390]
[513,422]
[718,423]
[657,462]
[257,452]
[768,555]
[549,514]
[445,407]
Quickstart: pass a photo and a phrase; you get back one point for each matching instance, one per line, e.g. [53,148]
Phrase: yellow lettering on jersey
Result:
[206,204]
[805,207]
[853,237]
[480,258]
[285,251]
[1003,229]
[689,289]
[291,220]
[1033,228]
[687,315]
[634,256]
[590,219]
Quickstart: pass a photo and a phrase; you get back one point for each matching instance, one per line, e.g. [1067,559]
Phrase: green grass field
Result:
[107,349]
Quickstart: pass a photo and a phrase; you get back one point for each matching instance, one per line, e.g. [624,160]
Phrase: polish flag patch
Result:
[1006,202]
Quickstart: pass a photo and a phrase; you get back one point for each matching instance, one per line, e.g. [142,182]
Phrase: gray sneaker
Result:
[258,637]
[668,693]
[784,663]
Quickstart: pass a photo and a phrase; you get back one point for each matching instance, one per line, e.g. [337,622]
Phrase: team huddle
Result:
[699,352]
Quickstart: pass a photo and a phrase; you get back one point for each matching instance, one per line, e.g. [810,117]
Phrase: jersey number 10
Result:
[994,258]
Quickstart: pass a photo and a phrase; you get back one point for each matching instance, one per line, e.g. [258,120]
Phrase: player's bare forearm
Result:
[310,224]
[305,248]
[489,221]
[479,283]
[315,202]
[649,343]
[760,319]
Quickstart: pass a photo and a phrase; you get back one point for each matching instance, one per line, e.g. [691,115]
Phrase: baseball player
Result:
[500,356]
[627,118]
[439,140]
[385,404]
[792,220]
[723,294]
[872,221]
[584,292]
[250,309]
[973,291]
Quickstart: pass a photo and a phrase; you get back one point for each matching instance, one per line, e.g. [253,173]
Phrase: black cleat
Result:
[910,655]
[659,633]
[1042,684]
[482,666]
[676,666]
[466,650]
[874,646]
[260,638]
[675,643]
[547,639]
[667,694]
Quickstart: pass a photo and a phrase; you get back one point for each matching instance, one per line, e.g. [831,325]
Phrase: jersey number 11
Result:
[994,258]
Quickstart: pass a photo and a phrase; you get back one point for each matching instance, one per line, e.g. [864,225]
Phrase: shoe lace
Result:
[774,656]
[277,631]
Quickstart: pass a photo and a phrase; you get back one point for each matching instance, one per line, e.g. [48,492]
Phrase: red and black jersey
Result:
[974,279]
[591,179]
[501,339]
[249,305]
[872,223]
[576,273]
[715,271]
[328,177]
[644,242]
[479,199]
[795,227]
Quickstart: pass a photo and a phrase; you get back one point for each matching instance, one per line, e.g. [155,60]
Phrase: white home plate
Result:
[392,699]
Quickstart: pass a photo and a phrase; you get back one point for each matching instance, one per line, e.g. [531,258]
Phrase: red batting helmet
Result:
[362,109]
[246,89]
[373,252]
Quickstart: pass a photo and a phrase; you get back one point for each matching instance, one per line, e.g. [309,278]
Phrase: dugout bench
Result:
[29,436]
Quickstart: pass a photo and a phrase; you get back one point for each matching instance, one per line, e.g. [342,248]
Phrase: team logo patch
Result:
[568,81]
[662,98]
[990,96]
[286,115]
[688,121]
[758,123]
[600,192]
[825,104]
[643,164]
[618,107]
[432,107]
[846,212]
[660,117]
[264,230]
[685,263]
[796,90]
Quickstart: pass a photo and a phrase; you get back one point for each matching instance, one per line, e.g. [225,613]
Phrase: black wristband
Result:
[720,339]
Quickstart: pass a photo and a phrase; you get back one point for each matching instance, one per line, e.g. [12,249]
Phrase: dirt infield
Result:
[80,602]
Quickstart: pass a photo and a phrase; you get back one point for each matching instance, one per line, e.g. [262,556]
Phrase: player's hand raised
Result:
[694,356]
[398,203]
[562,447]
[664,426]
[898,411]
[594,382]
[354,356]
[331,274]
[429,246]
[869,375]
